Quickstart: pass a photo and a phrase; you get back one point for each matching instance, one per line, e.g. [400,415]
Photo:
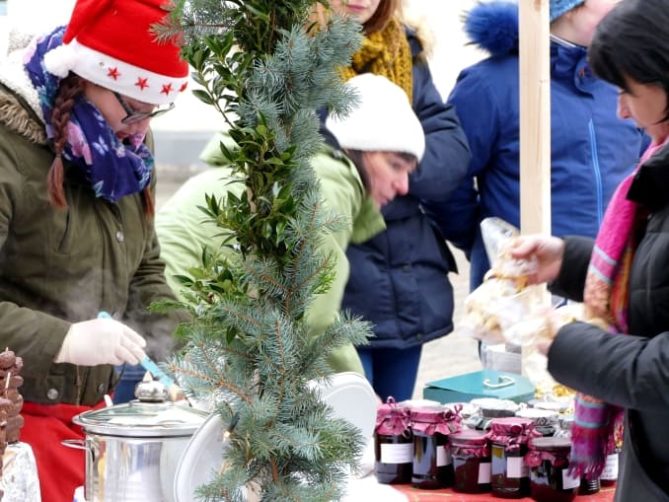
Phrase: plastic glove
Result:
[101,341]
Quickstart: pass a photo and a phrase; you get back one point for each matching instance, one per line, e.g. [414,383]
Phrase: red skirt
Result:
[60,469]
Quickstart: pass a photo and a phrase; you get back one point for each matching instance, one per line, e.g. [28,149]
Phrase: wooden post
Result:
[535,117]
[535,150]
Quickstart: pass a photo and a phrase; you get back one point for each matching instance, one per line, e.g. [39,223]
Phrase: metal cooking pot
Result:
[132,449]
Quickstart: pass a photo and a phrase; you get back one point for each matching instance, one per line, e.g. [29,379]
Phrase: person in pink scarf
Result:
[619,359]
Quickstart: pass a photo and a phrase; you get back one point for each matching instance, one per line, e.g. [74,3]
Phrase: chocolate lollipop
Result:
[7,359]
[13,428]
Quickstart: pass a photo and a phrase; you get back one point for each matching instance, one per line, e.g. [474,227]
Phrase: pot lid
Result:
[142,419]
[351,398]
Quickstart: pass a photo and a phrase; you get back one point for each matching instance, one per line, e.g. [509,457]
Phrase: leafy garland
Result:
[267,69]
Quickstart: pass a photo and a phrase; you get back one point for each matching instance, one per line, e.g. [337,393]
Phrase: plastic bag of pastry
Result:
[492,308]
[504,298]
[497,234]
[537,328]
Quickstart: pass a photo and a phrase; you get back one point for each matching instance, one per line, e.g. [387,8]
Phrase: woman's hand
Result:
[101,341]
[547,251]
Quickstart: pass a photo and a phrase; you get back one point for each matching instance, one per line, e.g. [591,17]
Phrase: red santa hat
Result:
[111,43]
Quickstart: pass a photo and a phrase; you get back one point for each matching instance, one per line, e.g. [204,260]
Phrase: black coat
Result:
[629,371]
[399,279]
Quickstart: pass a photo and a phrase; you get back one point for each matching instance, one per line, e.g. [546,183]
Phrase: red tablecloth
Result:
[415,495]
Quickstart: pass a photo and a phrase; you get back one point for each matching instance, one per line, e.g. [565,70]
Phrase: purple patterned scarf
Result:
[113,168]
[597,425]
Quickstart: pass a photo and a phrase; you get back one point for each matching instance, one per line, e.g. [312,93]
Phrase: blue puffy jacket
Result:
[592,149]
[399,279]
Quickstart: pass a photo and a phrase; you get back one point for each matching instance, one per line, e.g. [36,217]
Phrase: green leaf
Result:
[203,96]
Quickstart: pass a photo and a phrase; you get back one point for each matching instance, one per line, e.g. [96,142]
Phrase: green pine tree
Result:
[266,68]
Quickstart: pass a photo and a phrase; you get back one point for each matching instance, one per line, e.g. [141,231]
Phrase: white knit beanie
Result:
[382,121]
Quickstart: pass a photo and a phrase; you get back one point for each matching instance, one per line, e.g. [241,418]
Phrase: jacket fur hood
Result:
[19,103]
[493,27]
[420,32]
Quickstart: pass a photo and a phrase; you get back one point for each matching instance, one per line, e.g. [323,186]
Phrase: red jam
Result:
[471,461]
[610,473]
[509,438]
[432,464]
[393,444]
[550,481]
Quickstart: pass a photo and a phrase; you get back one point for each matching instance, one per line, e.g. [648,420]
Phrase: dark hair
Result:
[69,89]
[383,14]
[632,42]
[357,157]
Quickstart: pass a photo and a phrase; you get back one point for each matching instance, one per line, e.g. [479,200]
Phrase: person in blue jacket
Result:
[592,149]
[399,279]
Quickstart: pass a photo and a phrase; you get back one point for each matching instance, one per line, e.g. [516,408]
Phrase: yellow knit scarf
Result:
[387,53]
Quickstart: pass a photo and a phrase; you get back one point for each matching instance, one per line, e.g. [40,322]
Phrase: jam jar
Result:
[545,422]
[548,459]
[588,486]
[393,444]
[471,461]
[495,408]
[565,424]
[432,464]
[508,445]
[609,475]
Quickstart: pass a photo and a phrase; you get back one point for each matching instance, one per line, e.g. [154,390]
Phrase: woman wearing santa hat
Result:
[76,216]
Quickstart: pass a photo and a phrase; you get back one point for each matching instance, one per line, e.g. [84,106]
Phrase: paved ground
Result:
[452,355]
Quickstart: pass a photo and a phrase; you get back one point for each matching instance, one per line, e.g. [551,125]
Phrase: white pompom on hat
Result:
[383,119]
[111,43]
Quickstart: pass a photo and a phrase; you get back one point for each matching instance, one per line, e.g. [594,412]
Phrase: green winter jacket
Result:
[183,231]
[58,267]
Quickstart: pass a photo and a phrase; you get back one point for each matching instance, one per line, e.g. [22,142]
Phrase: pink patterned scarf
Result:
[597,425]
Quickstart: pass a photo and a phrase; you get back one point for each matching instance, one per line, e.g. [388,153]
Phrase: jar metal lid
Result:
[491,403]
[539,416]
[550,443]
[554,406]
[566,422]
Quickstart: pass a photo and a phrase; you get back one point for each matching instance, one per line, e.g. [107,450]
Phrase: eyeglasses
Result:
[133,116]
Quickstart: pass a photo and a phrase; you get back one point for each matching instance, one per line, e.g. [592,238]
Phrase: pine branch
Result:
[266,70]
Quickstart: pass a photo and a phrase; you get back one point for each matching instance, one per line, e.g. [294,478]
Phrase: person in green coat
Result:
[380,143]
[76,217]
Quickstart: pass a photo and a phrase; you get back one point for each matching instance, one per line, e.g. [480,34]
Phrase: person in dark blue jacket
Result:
[592,149]
[399,279]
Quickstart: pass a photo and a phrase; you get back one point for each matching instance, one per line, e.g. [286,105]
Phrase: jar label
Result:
[485,473]
[516,468]
[397,453]
[610,472]
[569,482]
[443,456]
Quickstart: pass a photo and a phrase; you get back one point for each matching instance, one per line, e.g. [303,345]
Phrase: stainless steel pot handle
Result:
[76,444]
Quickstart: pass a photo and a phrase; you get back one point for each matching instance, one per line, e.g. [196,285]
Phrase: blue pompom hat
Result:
[559,7]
